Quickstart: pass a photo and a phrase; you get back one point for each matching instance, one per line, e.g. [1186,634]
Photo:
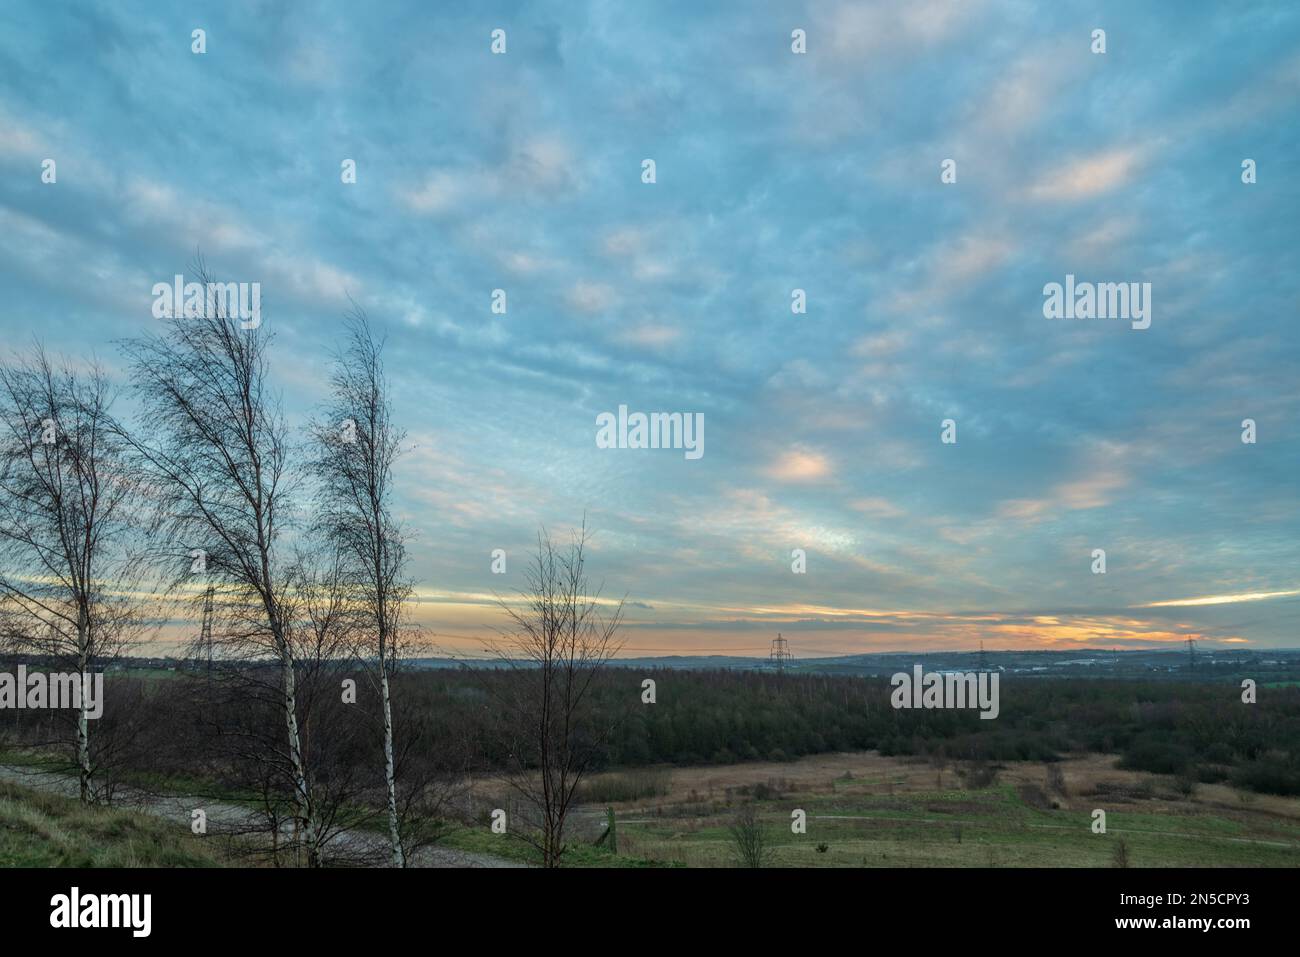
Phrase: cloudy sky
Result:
[774,172]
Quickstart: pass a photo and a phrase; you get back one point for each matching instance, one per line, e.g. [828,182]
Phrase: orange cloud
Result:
[1222,599]
[1090,176]
[799,465]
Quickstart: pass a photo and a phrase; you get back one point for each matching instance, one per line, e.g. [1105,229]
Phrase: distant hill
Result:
[1272,664]
[1078,662]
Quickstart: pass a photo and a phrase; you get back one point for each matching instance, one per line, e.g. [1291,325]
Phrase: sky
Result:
[774,171]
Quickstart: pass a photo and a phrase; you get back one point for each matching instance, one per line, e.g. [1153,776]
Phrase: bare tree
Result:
[67,578]
[1056,779]
[747,839]
[356,447]
[1120,857]
[559,640]
[332,741]
[216,449]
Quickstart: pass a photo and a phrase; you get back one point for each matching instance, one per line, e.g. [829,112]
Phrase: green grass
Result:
[992,827]
[148,674]
[152,781]
[47,830]
[33,758]
[481,840]
[860,826]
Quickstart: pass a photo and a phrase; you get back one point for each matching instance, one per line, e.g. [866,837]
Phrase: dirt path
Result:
[231,818]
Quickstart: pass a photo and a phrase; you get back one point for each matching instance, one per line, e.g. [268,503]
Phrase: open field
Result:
[876,811]
[863,810]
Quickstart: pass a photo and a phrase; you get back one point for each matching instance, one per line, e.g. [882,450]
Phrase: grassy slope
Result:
[46,830]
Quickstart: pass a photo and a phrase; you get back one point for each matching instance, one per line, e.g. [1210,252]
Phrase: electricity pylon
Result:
[780,653]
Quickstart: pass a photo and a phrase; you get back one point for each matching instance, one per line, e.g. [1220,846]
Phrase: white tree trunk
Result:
[83,752]
[83,722]
[306,812]
[394,834]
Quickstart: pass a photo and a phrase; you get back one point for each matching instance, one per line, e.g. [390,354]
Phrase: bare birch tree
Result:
[748,842]
[216,448]
[67,526]
[356,447]
[559,639]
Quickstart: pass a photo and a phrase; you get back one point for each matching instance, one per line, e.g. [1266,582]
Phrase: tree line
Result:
[456,723]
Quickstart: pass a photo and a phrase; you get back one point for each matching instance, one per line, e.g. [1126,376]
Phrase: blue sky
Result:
[775,171]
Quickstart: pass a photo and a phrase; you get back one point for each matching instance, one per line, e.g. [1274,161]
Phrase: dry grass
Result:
[39,829]
[889,811]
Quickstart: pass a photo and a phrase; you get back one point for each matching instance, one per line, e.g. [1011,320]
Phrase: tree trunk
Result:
[306,812]
[394,833]
[83,722]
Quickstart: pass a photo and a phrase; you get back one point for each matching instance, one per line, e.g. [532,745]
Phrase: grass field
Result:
[39,829]
[864,810]
[580,853]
